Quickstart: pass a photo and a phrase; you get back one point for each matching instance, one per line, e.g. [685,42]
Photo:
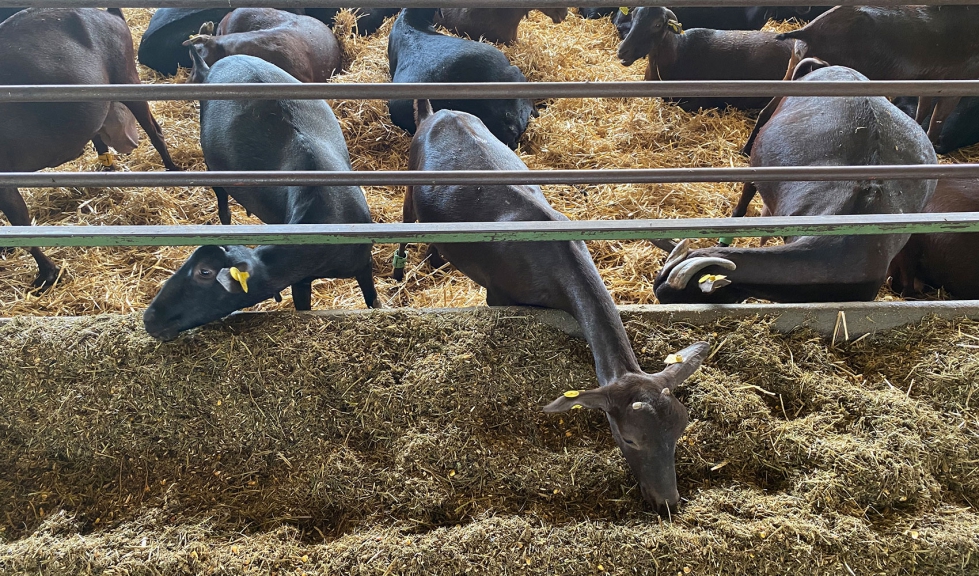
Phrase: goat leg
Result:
[400,256]
[13,206]
[302,295]
[107,161]
[747,195]
[141,111]
[366,282]
[943,109]
[224,212]
[435,259]
[926,104]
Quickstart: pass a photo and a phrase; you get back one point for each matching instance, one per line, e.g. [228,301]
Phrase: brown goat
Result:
[946,261]
[65,46]
[493,24]
[301,45]
[703,54]
[645,417]
[806,131]
[900,43]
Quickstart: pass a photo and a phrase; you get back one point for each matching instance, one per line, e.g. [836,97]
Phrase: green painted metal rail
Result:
[486,231]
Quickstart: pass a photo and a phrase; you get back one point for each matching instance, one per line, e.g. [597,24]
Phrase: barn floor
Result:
[403,443]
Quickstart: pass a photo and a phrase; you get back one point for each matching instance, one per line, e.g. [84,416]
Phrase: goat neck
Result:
[663,56]
[593,308]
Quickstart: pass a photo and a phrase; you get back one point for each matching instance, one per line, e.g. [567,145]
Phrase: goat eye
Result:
[629,442]
[204,272]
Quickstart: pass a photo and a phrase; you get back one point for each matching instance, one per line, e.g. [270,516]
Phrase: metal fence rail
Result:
[409,177]
[473,232]
[487,231]
[483,90]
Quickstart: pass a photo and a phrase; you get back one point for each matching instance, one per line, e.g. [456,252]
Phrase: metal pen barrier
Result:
[533,231]
[581,230]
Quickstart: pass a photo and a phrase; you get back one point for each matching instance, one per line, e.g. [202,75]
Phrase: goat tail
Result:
[423,109]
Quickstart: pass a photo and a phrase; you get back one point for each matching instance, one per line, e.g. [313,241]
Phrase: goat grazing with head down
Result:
[265,135]
[645,417]
[808,131]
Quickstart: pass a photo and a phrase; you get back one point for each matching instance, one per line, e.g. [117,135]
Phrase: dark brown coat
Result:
[703,54]
[807,131]
[946,261]
[645,417]
[65,46]
[301,45]
[492,24]
[900,43]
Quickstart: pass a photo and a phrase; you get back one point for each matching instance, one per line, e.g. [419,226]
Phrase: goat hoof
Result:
[45,279]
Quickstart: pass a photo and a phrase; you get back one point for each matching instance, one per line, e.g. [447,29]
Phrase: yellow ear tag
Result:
[674,359]
[576,407]
[675,26]
[711,278]
[108,159]
[571,394]
[624,10]
[241,276]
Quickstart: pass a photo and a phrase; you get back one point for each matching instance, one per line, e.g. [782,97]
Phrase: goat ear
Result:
[596,399]
[235,278]
[684,363]
[423,109]
[195,40]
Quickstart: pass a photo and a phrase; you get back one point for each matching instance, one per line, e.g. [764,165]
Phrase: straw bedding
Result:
[410,443]
[586,133]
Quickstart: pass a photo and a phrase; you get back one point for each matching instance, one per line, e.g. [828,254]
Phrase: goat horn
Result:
[681,275]
[196,38]
[678,253]
[664,244]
